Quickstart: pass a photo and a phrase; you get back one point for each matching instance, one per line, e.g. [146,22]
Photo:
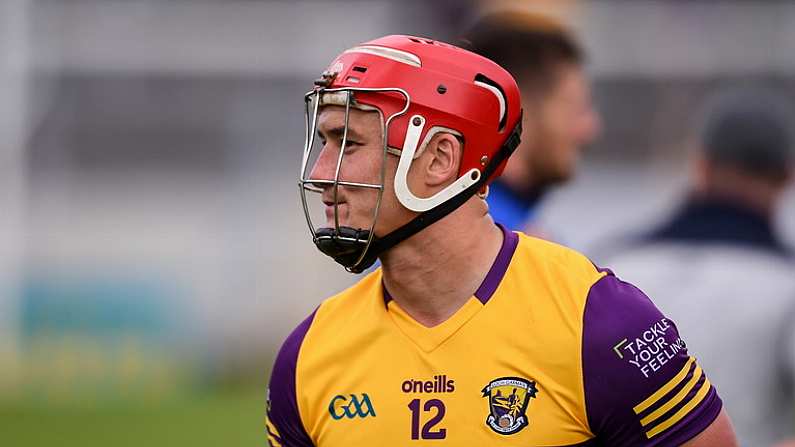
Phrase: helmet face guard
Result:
[348,246]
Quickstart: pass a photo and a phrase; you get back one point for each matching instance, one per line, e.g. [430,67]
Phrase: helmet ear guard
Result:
[404,194]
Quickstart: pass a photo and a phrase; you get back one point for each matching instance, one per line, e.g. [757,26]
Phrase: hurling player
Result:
[468,334]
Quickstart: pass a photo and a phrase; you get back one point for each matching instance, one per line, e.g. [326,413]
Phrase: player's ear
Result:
[443,153]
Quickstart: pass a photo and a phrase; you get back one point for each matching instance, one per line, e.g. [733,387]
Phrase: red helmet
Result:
[449,86]
[420,87]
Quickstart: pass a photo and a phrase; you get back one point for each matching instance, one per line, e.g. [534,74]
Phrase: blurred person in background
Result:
[559,117]
[719,267]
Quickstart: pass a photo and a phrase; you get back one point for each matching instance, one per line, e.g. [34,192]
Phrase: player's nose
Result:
[325,167]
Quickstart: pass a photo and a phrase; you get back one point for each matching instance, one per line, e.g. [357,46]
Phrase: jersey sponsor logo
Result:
[650,350]
[509,398]
[351,407]
[439,384]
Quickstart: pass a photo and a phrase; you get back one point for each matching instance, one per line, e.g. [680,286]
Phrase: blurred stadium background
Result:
[153,254]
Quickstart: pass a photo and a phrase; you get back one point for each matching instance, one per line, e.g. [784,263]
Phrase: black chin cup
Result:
[345,246]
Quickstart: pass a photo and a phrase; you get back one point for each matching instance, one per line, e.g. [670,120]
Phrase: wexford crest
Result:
[508,401]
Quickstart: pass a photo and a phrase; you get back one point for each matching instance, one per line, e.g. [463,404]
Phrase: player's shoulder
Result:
[555,257]
[559,267]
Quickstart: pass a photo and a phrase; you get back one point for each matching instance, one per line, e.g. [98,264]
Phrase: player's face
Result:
[565,123]
[362,163]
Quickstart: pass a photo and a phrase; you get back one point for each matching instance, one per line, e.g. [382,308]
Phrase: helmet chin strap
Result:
[349,246]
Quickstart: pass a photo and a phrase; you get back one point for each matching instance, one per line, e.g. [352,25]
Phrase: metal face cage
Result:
[313,100]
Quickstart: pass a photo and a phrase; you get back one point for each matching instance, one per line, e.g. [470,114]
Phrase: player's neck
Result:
[432,274]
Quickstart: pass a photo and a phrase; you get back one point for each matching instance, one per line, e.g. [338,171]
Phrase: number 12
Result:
[427,429]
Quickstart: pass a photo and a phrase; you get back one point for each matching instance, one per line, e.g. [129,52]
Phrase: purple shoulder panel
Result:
[489,285]
[282,409]
[641,386]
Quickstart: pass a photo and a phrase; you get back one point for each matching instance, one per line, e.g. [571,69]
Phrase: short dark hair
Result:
[530,46]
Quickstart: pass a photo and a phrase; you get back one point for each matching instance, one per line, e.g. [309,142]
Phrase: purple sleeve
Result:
[283,421]
[642,388]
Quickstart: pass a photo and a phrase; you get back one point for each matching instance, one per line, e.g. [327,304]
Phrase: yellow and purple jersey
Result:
[549,351]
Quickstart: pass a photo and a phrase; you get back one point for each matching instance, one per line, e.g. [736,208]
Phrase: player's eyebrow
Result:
[338,132]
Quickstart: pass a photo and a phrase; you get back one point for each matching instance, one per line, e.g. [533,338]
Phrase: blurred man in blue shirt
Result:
[559,118]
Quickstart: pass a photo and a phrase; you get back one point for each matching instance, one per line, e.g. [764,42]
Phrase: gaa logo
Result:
[351,407]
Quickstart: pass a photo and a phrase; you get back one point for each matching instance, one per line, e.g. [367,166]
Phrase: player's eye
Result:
[321,137]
